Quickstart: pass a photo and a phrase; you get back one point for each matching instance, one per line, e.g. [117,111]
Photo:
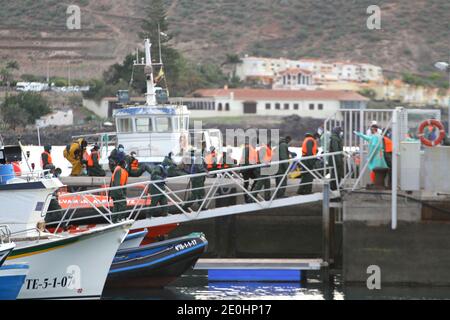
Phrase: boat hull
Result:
[12,278]
[72,267]
[156,265]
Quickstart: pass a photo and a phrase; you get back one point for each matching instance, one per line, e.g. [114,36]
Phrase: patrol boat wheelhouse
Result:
[154,130]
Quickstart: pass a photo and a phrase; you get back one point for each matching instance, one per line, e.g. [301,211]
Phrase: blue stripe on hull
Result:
[10,286]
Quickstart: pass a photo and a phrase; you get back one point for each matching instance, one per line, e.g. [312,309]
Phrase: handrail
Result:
[100,205]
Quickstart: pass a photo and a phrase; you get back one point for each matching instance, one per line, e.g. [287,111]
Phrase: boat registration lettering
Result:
[47,283]
[186,245]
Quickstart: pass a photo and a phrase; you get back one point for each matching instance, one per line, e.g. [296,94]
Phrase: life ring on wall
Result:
[435,123]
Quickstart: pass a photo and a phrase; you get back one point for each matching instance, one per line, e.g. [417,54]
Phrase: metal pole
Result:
[39,136]
[395,153]
[326,222]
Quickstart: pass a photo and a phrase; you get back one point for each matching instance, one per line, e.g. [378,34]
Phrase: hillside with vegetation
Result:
[414,33]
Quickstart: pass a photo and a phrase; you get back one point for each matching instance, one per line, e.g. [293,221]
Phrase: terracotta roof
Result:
[266,94]
[295,71]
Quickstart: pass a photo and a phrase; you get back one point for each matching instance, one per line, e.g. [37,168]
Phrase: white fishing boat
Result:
[154,129]
[25,198]
[68,266]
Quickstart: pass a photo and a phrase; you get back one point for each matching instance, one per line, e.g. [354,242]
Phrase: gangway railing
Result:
[225,192]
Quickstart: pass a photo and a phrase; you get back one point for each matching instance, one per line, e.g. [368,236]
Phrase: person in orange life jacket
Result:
[134,168]
[94,169]
[263,182]
[211,160]
[46,159]
[309,148]
[249,157]
[119,196]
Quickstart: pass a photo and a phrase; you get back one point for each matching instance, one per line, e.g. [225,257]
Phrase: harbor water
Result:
[195,286]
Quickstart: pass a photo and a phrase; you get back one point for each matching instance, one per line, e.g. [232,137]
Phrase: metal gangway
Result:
[225,192]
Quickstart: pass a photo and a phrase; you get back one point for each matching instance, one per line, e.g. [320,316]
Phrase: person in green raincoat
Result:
[197,183]
[159,173]
[376,148]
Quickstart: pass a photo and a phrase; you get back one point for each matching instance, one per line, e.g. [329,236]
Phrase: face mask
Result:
[121,150]
[320,131]
[341,134]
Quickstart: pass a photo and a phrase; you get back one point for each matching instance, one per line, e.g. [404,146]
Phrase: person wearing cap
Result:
[369,131]
[74,154]
[116,156]
[134,168]
[309,149]
[336,145]
[119,196]
[159,174]
[46,159]
[94,169]
[376,150]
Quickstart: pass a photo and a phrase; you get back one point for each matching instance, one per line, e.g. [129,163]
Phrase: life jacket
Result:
[49,158]
[387,145]
[123,176]
[267,154]
[134,165]
[17,169]
[252,155]
[222,164]
[88,158]
[210,160]
[305,146]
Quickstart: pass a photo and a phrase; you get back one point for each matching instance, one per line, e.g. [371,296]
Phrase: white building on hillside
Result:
[57,118]
[318,104]
[265,70]
[294,79]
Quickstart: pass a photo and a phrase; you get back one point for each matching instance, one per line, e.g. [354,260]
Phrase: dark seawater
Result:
[195,286]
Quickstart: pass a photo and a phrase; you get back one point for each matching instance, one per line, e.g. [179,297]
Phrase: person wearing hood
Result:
[173,169]
[376,150]
[74,154]
[336,145]
[116,156]
[309,149]
[159,174]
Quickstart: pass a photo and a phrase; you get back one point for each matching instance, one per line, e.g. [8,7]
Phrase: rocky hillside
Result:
[414,33]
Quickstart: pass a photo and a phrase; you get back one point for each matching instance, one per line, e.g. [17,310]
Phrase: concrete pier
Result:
[418,252]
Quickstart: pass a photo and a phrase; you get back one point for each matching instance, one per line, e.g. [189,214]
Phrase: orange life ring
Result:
[434,123]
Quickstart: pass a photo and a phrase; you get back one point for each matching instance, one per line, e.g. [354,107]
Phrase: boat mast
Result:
[148,69]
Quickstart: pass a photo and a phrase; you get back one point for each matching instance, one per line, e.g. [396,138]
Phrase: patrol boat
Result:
[155,129]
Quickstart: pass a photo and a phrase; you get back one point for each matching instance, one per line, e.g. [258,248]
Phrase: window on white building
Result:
[286,106]
[320,107]
[277,106]
[219,107]
[311,106]
[296,106]
[227,107]
[268,106]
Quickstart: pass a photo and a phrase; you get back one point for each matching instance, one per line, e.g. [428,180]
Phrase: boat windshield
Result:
[163,124]
[144,125]
[125,125]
